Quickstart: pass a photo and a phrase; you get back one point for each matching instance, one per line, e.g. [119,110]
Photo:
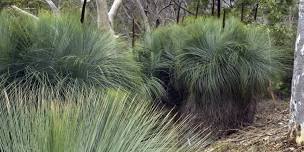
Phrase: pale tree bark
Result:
[113,11]
[53,7]
[103,21]
[23,12]
[144,16]
[296,132]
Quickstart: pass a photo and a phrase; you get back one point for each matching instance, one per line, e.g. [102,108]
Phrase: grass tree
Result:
[218,72]
[87,120]
[62,48]
[225,69]
[157,55]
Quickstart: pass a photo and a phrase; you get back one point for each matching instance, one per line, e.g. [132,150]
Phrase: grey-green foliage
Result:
[206,58]
[62,48]
[40,120]
[237,61]
[158,57]
[213,72]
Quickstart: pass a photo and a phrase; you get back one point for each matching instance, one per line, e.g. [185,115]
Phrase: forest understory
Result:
[151,75]
[267,133]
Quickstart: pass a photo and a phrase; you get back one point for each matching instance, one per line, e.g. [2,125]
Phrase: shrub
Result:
[225,69]
[62,48]
[87,120]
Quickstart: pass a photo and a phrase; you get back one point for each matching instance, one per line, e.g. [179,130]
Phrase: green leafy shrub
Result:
[62,48]
[225,69]
[86,120]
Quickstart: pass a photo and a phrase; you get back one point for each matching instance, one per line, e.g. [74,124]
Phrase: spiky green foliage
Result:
[224,69]
[158,57]
[62,48]
[217,72]
[40,120]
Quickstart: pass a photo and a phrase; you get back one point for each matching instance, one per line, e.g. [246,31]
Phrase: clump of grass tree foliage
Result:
[67,86]
[226,69]
[157,55]
[87,120]
[61,48]
[219,72]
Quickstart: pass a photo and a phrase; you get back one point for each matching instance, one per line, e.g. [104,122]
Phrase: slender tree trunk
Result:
[144,16]
[296,132]
[133,33]
[290,17]
[83,11]
[256,11]
[53,7]
[218,8]
[213,7]
[197,8]
[178,12]
[113,11]
[157,23]
[242,12]
[224,18]
[103,21]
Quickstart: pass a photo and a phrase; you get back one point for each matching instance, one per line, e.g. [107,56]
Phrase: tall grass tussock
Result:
[62,48]
[67,86]
[87,120]
[157,55]
[219,72]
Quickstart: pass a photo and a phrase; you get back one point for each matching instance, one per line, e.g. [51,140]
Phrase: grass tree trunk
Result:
[297,95]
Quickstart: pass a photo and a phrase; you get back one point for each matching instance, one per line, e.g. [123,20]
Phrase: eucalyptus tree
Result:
[297,96]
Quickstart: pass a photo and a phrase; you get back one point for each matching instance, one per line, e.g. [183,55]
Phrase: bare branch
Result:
[183,8]
[24,12]
[170,4]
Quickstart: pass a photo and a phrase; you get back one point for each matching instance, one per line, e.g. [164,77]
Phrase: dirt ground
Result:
[267,134]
